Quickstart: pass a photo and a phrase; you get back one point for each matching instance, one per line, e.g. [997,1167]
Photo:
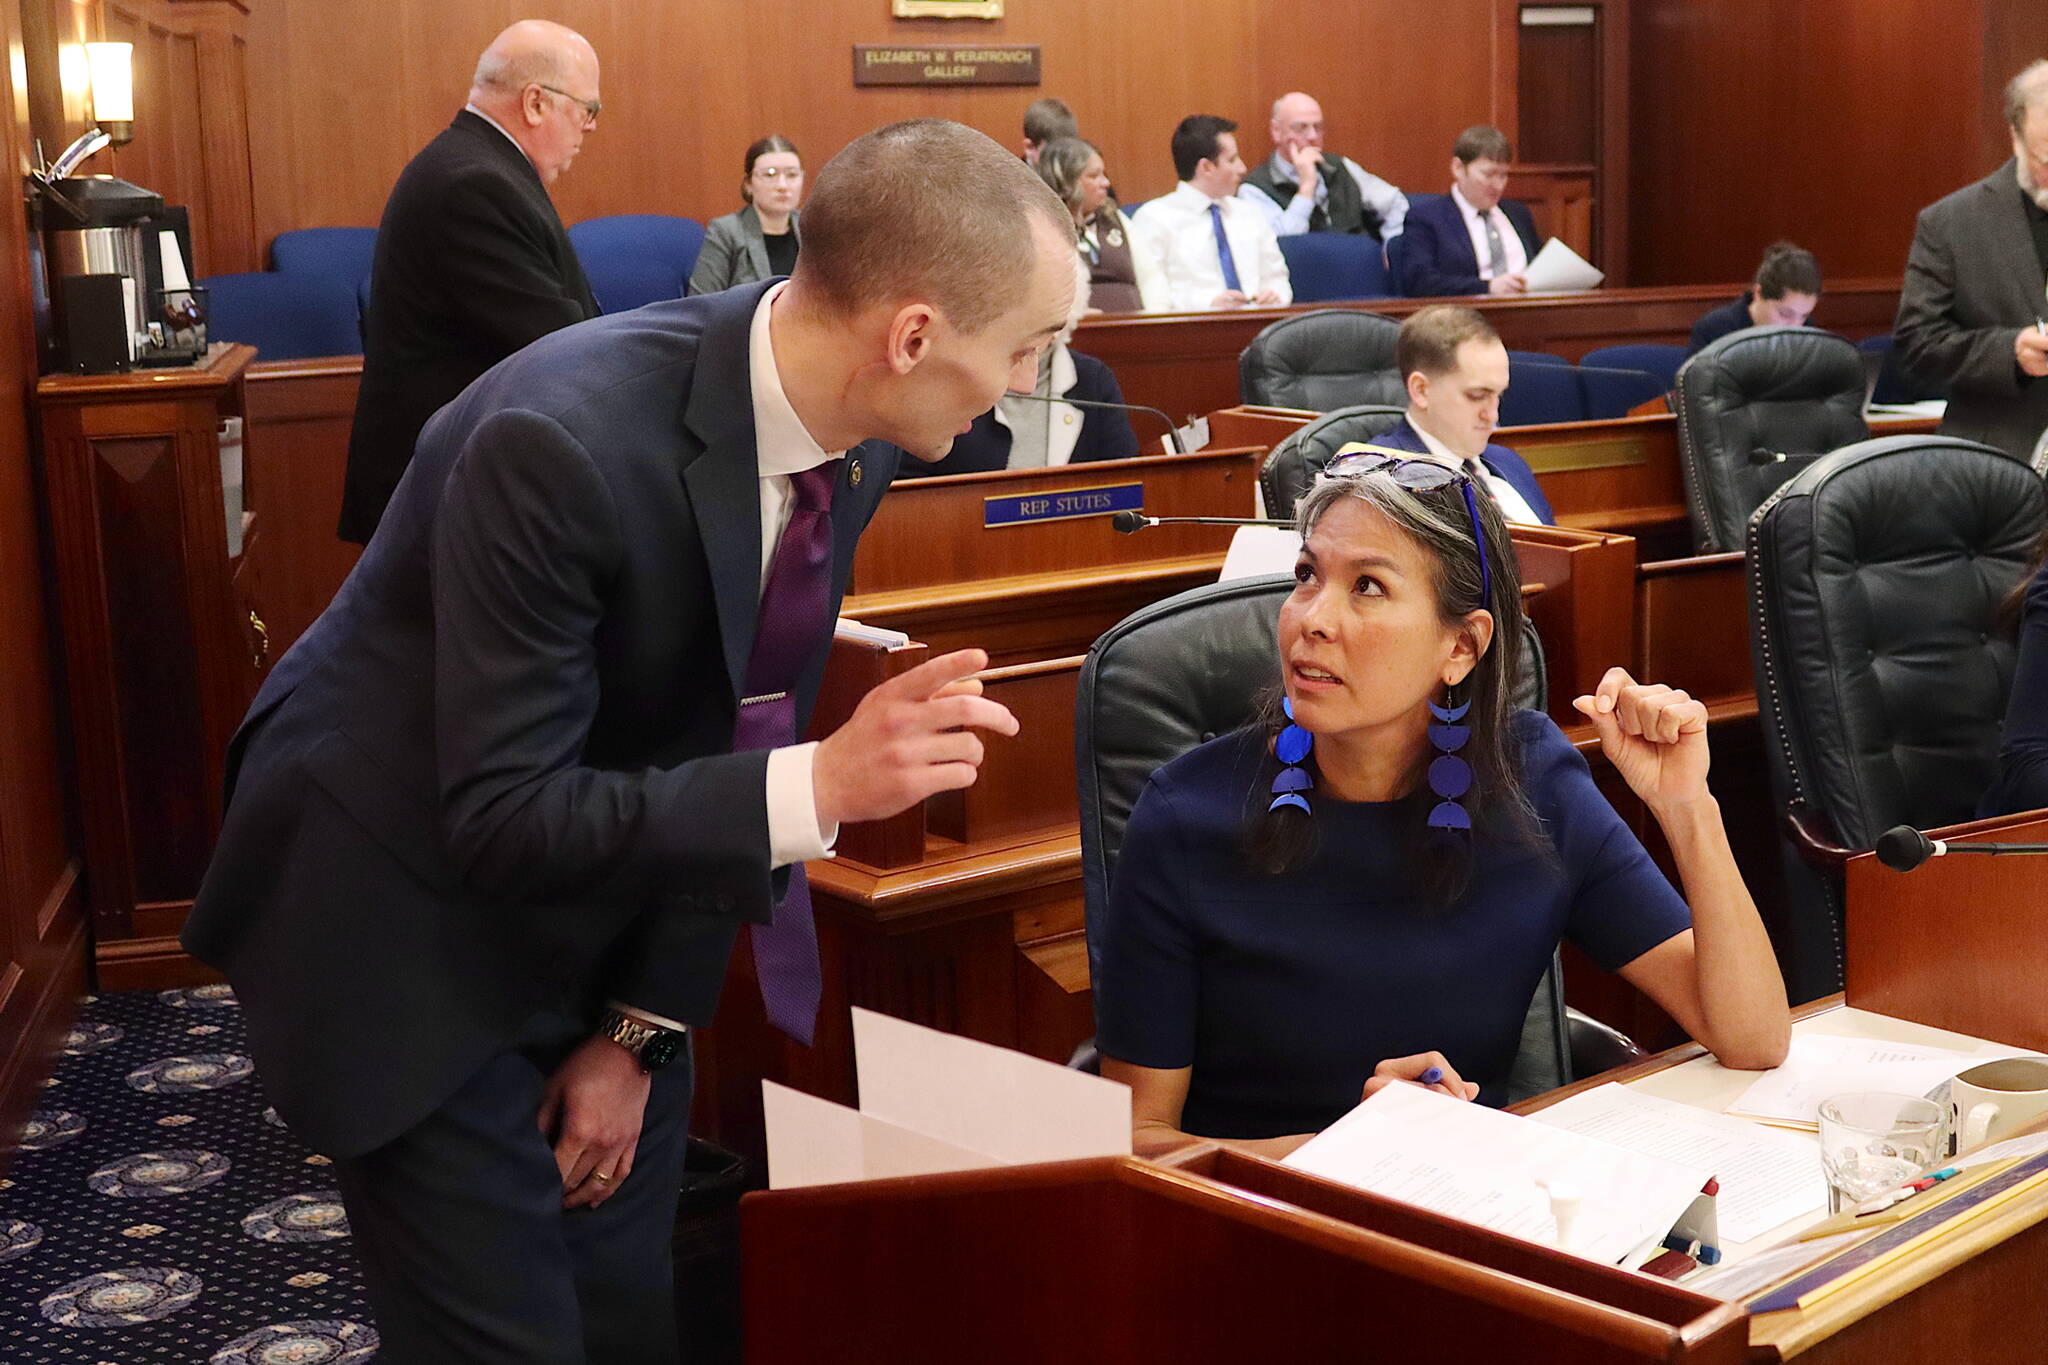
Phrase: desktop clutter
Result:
[1856,1152]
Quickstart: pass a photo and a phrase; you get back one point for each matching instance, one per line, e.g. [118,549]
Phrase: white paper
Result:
[1744,1279]
[816,1142]
[1257,550]
[1557,267]
[1484,1166]
[1193,437]
[1821,1065]
[1768,1176]
[983,1098]
[2029,1144]
[847,629]
[174,262]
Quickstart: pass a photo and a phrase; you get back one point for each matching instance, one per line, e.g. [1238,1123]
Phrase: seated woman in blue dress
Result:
[1312,908]
[2023,744]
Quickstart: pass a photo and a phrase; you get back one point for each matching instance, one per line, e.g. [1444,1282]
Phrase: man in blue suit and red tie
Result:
[1470,241]
[1456,370]
[495,822]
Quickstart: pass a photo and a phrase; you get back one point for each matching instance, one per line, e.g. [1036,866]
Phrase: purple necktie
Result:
[793,609]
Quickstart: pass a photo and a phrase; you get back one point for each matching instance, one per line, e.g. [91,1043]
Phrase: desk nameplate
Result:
[1064,504]
[1608,452]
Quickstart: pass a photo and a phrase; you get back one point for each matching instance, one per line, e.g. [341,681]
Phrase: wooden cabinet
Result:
[163,639]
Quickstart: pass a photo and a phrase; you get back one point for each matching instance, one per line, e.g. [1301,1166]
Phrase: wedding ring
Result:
[600,1177]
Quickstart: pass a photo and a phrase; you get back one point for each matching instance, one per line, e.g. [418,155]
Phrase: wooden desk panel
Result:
[1186,363]
[296,448]
[1692,630]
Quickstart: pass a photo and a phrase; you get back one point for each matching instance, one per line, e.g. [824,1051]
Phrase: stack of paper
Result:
[1558,267]
[1496,1170]
[931,1102]
[1768,1177]
[1821,1065]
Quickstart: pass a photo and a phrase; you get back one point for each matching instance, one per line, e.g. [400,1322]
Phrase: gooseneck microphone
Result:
[1128,522]
[1172,432]
[1905,848]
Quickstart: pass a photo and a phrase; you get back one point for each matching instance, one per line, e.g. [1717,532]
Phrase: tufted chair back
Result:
[1874,579]
[1179,673]
[1293,464]
[1755,408]
[1323,360]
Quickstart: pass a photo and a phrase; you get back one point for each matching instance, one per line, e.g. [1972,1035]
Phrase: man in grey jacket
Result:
[1971,313]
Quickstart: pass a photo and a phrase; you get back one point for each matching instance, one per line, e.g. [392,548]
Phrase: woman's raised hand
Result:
[1655,736]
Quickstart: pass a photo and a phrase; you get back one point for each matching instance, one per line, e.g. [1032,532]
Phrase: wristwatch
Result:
[654,1048]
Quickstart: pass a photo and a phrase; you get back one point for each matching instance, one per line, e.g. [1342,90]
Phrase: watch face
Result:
[663,1048]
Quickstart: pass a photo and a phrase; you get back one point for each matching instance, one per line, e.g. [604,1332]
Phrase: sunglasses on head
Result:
[1417,476]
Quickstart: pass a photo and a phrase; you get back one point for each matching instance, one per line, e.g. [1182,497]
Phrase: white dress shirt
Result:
[1180,237]
[782,448]
[1382,198]
[1513,506]
[1475,225]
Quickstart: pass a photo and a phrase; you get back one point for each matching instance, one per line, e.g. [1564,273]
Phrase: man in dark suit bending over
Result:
[472,260]
[1470,241]
[495,821]
[1456,369]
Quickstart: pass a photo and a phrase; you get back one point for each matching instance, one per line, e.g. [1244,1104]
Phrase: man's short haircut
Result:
[930,211]
[1483,140]
[1047,119]
[1195,141]
[1429,340]
[1787,269]
[2025,91]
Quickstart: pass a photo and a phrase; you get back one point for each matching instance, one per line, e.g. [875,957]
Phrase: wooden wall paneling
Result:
[2015,33]
[295,449]
[42,923]
[687,87]
[1829,122]
[1559,106]
[192,121]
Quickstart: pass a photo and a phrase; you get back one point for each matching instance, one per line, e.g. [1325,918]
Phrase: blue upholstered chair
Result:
[1649,357]
[340,253]
[637,258]
[1539,393]
[1613,393]
[1335,265]
[285,317]
[1536,358]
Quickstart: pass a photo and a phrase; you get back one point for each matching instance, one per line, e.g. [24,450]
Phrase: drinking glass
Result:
[1871,1142]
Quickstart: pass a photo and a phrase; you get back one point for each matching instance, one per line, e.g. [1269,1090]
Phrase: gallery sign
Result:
[945,64]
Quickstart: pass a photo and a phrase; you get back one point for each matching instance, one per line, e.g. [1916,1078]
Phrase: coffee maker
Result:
[119,286]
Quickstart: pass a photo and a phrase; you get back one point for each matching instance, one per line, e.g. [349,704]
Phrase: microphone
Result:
[1172,432]
[1905,848]
[1759,456]
[1128,522]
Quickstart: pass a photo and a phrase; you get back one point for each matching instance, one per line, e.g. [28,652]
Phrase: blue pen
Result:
[1431,1076]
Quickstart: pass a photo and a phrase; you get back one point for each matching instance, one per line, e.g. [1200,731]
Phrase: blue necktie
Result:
[1223,249]
[795,608]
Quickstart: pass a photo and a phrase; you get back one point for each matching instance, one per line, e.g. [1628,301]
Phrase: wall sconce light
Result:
[113,89]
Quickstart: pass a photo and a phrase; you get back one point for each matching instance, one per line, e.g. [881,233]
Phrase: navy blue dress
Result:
[2023,746]
[1284,993]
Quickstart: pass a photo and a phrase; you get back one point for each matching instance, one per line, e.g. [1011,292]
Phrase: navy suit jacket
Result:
[497,768]
[1504,463]
[1436,251]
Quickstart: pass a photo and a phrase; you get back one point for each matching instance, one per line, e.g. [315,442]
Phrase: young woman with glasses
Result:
[760,241]
[1367,885]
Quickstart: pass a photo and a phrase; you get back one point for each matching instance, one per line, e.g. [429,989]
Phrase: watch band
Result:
[654,1048]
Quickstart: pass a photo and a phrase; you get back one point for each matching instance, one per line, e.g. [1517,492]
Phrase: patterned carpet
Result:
[155,1209]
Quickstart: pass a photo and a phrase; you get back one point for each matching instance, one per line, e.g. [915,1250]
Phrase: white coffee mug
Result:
[1993,1100]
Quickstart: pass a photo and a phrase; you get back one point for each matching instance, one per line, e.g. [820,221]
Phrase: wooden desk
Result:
[1186,363]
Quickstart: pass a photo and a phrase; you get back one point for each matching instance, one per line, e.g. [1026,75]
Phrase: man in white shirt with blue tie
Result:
[1213,249]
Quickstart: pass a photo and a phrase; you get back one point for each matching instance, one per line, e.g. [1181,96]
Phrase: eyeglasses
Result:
[790,173]
[1418,476]
[591,108]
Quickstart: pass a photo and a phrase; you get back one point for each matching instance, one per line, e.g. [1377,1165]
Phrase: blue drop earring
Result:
[1450,777]
[1292,785]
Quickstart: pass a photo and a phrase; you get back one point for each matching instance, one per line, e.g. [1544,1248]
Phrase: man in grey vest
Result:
[1302,188]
